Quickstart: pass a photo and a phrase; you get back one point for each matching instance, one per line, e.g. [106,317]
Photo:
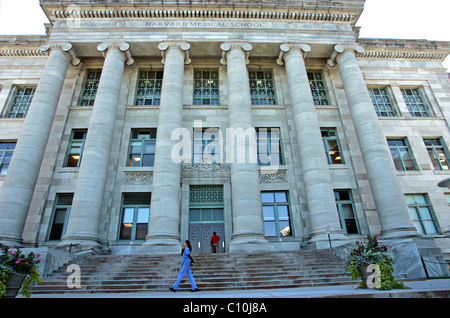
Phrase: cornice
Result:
[22,52]
[402,55]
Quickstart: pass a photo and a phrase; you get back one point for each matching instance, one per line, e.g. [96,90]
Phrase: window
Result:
[262,89]
[21,102]
[332,148]
[148,90]
[318,90]
[90,88]
[381,102]
[344,204]
[207,146]
[276,214]
[401,154]
[414,101]
[76,145]
[206,87]
[6,153]
[142,148]
[438,154]
[135,216]
[421,214]
[269,147]
[60,216]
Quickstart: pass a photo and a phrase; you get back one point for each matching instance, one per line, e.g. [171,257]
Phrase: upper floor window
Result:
[76,146]
[318,90]
[421,214]
[332,147]
[382,102]
[142,148]
[269,146]
[6,153]
[207,146]
[148,90]
[438,154]
[401,154]
[415,103]
[262,89]
[90,88]
[21,102]
[206,87]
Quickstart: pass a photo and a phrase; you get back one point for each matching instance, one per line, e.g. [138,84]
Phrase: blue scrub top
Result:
[185,260]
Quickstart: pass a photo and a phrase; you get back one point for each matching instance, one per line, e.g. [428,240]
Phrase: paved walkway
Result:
[424,289]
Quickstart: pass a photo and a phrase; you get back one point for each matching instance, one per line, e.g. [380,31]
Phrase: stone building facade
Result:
[121,129]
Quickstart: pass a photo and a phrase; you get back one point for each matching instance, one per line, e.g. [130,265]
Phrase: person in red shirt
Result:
[215,242]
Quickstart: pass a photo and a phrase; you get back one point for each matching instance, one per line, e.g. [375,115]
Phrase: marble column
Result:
[18,187]
[248,226]
[83,224]
[389,199]
[316,176]
[164,225]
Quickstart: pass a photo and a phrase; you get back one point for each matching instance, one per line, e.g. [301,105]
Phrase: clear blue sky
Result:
[402,19]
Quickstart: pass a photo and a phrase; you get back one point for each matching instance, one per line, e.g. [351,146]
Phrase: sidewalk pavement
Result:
[433,288]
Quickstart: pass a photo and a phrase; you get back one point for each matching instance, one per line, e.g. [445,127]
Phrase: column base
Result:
[79,244]
[248,243]
[162,245]
[320,240]
[405,232]
[11,240]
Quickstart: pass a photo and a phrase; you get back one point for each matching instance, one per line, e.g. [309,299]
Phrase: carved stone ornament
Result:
[65,47]
[227,46]
[341,48]
[138,177]
[286,47]
[206,167]
[278,176]
[181,45]
[122,46]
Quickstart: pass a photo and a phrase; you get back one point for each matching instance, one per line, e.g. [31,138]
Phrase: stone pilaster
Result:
[248,227]
[389,199]
[18,187]
[164,226]
[82,228]
[316,175]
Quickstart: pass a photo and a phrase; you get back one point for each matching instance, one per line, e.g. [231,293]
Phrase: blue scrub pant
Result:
[185,268]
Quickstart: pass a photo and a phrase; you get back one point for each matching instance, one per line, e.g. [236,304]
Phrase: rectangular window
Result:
[6,153]
[318,90]
[76,146]
[142,148]
[90,88]
[276,214]
[269,147]
[332,147]
[401,155]
[206,87]
[415,103]
[344,204]
[207,146]
[60,216]
[262,89]
[148,90]
[382,102]
[438,154]
[135,216]
[21,102]
[421,214]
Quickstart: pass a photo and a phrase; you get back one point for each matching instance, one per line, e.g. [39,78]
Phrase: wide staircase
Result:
[212,272]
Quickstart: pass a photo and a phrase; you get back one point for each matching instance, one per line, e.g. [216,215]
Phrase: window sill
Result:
[409,173]
[138,169]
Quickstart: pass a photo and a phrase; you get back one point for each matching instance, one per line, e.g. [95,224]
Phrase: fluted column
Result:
[248,227]
[82,228]
[18,187]
[389,199]
[316,176]
[164,226]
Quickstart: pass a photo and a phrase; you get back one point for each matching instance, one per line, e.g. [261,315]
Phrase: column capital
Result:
[181,45]
[228,46]
[65,47]
[341,48]
[286,47]
[120,45]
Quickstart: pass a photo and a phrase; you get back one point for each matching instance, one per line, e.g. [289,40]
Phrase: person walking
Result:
[186,261]
[215,242]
